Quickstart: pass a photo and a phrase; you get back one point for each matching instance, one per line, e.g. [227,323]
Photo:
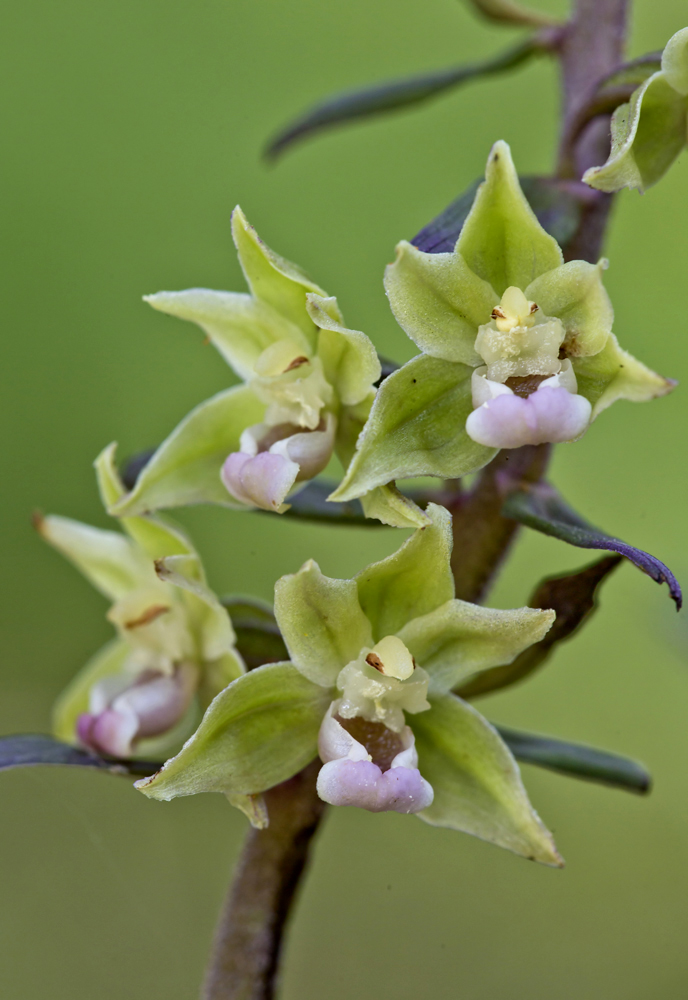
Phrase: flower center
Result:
[292,385]
[382,684]
[519,341]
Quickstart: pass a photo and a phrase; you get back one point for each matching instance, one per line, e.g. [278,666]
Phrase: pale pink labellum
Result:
[554,412]
[149,706]
[349,777]
[273,459]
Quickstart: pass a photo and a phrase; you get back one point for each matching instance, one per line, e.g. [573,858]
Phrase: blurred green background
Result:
[130,130]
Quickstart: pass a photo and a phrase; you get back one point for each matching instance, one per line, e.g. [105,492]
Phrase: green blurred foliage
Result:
[130,130]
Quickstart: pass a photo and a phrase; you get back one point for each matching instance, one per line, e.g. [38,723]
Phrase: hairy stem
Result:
[246,952]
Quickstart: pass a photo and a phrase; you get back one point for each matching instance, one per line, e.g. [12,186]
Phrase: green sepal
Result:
[502,240]
[186,467]
[388,505]
[458,640]
[258,732]
[476,781]
[156,536]
[108,559]
[238,325]
[574,293]
[615,374]
[350,361]
[271,278]
[416,428]
[648,134]
[675,61]
[439,302]
[321,622]
[74,700]
[413,581]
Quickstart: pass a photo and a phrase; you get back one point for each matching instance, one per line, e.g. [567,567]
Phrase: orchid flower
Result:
[369,687]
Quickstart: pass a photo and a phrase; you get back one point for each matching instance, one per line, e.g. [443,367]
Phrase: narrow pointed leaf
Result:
[540,507]
[477,784]
[29,749]
[394,94]
[573,599]
[577,761]
[413,581]
[508,12]
[259,731]
[321,622]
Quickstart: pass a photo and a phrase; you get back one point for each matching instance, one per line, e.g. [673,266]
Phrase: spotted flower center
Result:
[519,341]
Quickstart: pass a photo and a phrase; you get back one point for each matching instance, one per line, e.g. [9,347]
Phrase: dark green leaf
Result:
[395,94]
[541,507]
[577,761]
[258,637]
[28,749]
[573,598]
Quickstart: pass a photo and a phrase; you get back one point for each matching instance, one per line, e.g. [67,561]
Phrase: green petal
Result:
[439,302]
[459,639]
[477,784]
[74,700]
[349,359]
[109,560]
[271,278]
[186,467]
[675,61]
[615,374]
[501,240]
[156,536]
[574,293]
[239,326]
[391,507]
[259,731]
[209,619]
[647,136]
[413,581]
[321,622]
[417,427]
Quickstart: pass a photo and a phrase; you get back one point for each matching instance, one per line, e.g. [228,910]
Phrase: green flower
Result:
[369,687]
[651,130]
[140,694]
[517,347]
[308,387]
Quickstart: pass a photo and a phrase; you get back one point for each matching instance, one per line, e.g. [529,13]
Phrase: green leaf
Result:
[647,136]
[416,428]
[109,560]
[239,326]
[577,761]
[74,700]
[349,359]
[477,784]
[271,278]
[458,639]
[540,507]
[574,293]
[572,597]
[393,94]
[321,622]
[411,582]
[439,302]
[258,732]
[30,749]
[186,467]
[502,240]
[615,374]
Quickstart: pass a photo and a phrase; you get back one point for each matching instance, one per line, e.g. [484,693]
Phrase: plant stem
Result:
[248,941]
